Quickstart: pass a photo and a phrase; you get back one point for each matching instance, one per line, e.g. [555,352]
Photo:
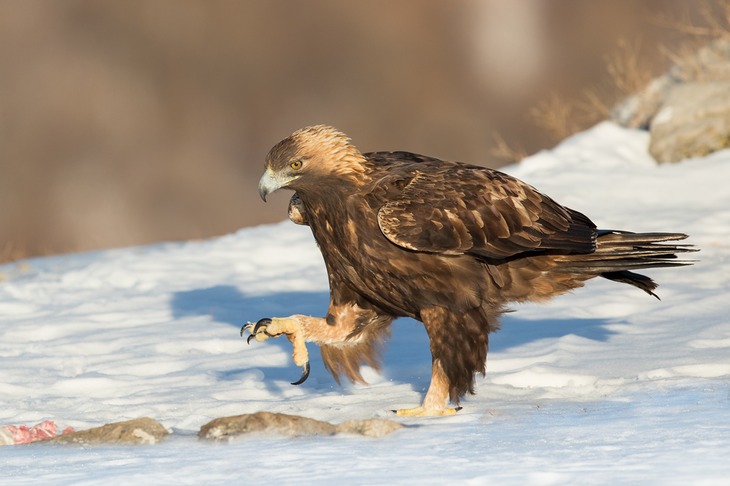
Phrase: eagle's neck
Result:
[328,207]
[338,218]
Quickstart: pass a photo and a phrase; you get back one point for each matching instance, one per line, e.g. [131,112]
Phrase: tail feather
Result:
[636,279]
[618,252]
[608,236]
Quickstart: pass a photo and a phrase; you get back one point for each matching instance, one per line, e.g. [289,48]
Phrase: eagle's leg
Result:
[344,345]
[437,396]
[290,327]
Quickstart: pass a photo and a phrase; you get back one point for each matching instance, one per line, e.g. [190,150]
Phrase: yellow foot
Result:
[274,327]
[426,412]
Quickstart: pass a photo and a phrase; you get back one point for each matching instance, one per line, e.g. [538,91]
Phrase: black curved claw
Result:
[254,328]
[261,323]
[305,374]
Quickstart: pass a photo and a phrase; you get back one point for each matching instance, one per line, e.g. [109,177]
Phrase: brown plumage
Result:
[446,243]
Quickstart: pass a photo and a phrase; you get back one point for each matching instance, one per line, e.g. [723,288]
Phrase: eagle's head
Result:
[308,158]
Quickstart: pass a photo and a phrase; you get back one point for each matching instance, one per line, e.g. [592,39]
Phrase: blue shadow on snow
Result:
[406,358]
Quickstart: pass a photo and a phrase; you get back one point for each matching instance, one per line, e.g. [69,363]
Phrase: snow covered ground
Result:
[606,385]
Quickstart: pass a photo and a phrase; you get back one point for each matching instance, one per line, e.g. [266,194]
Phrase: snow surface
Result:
[605,385]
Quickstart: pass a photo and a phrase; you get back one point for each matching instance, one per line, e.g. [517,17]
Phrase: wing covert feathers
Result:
[454,209]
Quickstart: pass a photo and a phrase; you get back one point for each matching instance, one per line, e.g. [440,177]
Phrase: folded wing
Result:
[455,209]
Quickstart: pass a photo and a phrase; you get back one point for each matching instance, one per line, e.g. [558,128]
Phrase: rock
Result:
[693,121]
[637,111]
[710,63]
[138,431]
[686,110]
[370,427]
[226,428]
[277,423]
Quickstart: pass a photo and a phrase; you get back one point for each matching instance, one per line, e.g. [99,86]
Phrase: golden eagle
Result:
[445,243]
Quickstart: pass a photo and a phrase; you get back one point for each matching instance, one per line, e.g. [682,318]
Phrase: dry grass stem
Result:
[555,116]
[626,68]
[503,151]
[629,73]
[713,14]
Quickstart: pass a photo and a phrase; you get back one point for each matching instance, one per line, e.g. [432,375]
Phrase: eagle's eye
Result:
[296,165]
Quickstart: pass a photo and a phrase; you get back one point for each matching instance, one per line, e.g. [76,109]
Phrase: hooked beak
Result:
[268,184]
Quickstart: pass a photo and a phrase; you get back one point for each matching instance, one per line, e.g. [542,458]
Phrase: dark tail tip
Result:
[637,280]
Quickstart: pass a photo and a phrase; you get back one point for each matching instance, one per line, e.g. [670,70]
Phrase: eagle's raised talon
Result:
[257,328]
[278,327]
[262,323]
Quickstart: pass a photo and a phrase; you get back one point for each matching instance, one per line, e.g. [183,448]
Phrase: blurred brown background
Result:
[129,122]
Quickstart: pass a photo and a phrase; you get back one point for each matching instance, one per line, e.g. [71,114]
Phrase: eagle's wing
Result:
[454,209]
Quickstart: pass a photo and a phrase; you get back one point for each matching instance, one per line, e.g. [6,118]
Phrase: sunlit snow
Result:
[605,385]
